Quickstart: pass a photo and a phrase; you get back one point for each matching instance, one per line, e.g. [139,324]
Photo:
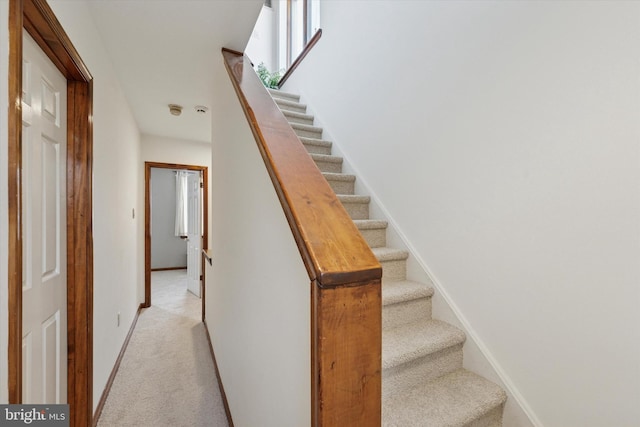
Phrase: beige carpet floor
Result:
[167,376]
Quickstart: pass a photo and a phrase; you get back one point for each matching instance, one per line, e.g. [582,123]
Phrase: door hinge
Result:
[201,185]
[201,277]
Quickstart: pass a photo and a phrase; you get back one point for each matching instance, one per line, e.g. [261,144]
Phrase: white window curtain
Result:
[182,217]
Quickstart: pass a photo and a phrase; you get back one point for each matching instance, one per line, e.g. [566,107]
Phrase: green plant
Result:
[268,78]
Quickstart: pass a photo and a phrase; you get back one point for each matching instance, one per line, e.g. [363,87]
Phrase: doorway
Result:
[37,18]
[44,272]
[195,265]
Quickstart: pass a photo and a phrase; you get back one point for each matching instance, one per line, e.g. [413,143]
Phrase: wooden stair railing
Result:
[312,42]
[346,303]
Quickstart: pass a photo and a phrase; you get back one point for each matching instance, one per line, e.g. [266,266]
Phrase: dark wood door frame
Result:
[37,18]
[147,223]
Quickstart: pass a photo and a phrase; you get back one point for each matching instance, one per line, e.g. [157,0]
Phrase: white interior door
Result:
[44,219]
[194,235]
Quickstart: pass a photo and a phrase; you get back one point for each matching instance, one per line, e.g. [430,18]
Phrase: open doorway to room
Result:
[176,200]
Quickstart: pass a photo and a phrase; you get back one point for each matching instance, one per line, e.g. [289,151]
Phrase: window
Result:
[300,23]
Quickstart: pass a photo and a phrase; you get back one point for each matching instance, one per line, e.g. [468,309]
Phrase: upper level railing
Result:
[312,42]
[346,309]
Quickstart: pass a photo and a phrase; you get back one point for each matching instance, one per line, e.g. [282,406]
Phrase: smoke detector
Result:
[201,109]
[175,109]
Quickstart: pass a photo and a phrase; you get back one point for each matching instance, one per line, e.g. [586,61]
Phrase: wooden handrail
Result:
[346,299]
[312,42]
[332,248]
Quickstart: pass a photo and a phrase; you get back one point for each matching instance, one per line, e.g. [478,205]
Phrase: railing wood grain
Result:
[345,276]
[312,42]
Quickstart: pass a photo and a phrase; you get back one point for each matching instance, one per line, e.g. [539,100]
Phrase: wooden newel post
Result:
[346,333]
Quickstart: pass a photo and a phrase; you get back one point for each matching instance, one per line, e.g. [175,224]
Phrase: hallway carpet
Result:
[167,376]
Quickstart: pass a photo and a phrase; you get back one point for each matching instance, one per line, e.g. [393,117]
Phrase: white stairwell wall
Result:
[502,138]
[257,291]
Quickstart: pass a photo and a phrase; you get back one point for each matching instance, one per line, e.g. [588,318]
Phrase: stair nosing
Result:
[434,336]
[353,198]
[309,128]
[415,291]
[282,101]
[342,177]
[370,224]
[315,141]
[386,253]
[328,158]
[283,94]
[493,397]
[297,114]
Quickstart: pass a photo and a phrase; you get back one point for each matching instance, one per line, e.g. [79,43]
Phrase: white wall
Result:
[503,140]
[118,265]
[262,46]
[257,292]
[4,286]
[169,150]
[167,249]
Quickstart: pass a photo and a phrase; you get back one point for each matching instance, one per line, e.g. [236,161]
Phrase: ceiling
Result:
[165,52]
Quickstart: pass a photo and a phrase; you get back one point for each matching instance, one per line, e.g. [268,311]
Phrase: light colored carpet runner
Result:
[167,376]
[423,381]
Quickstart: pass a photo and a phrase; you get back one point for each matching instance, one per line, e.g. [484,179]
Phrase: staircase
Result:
[423,381]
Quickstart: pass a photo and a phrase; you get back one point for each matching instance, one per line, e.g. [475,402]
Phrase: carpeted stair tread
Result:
[317,146]
[326,158]
[330,176]
[308,128]
[417,339]
[290,105]
[370,224]
[389,254]
[453,400]
[395,292]
[281,94]
[297,117]
[316,142]
[353,198]
[339,182]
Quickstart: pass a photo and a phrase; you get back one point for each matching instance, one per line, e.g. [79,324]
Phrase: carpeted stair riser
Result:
[341,183]
[356,206]
[374,232]
[419,352]
[296,117]
[423,382]
[331,164]
[419,371]
[307,131]
[492,418]
[403,313]
[460,398]
[275,93]
[405,302]
[394,269]
[393,262]
[316,146]
[288,105]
